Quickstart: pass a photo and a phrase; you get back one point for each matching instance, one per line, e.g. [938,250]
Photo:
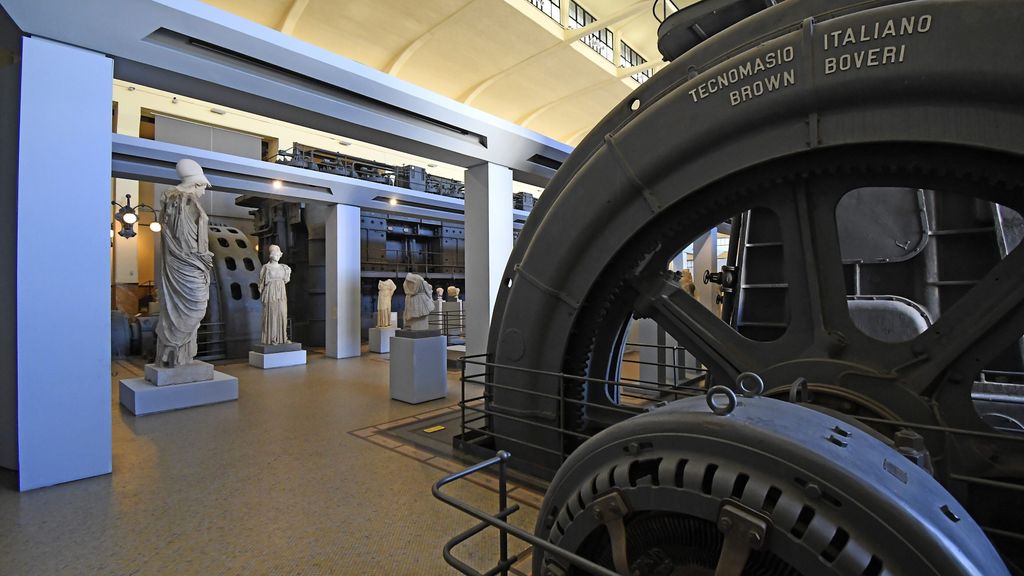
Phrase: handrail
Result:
[499,521]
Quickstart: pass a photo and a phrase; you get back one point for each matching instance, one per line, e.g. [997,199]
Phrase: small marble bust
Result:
[440,294]
[453,294]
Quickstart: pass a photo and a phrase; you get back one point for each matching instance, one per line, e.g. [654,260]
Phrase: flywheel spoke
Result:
[724,351]
[982,324]
[813,264]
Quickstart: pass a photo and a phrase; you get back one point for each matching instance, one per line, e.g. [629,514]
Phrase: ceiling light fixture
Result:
[393,201]
[277,184]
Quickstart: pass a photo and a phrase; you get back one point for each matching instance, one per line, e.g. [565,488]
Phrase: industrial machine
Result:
[858,415]
[411,177]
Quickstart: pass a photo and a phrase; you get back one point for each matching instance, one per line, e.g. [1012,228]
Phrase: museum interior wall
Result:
[10,73]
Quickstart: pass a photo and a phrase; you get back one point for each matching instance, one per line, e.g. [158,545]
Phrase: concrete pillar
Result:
[63,278]
[488,246]
[342,297]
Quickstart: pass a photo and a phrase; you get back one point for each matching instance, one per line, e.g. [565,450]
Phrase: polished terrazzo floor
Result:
[274,483]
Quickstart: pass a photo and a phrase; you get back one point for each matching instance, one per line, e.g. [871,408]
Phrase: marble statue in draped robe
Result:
[185,264]
[274,297]
[418,304]
[385,289]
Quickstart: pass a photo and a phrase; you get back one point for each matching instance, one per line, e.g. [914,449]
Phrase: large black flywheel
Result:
[784,115]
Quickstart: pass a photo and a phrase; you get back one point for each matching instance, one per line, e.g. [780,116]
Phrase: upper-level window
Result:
[599,41]
[629,59]
[550,7]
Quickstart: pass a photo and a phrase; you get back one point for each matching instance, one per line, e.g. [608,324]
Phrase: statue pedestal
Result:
[418,368]
[194,371]
[273,356]
[141,397]
[275,348]
[380,338]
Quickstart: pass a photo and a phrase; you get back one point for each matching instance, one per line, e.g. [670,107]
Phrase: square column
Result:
[63,278]
[705,258]
[343,270]
[488,246]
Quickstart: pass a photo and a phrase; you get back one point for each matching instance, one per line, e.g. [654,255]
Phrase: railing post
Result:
[502,505]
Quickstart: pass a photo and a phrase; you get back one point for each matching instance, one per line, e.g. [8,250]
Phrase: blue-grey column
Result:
[63,278]
[488,246]
[10,82]
[342,286]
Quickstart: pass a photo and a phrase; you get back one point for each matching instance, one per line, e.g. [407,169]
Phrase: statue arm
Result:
[287,273]
[263,278]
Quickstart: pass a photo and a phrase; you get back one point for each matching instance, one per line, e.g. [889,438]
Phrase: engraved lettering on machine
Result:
[739,79]
[892,52]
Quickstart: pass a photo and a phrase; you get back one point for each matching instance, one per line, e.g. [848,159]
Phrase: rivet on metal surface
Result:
[750,384]
[721,409]
[813,491]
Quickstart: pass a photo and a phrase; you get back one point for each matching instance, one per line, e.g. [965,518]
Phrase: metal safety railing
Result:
[451,323]
[499,520]
[625,397]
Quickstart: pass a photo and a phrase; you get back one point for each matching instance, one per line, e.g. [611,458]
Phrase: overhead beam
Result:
[154,161]
[193,49]
[292,17]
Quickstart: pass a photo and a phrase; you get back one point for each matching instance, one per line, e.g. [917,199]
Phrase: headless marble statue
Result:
[185,264]
[274,296]
[417,301]
[385,289]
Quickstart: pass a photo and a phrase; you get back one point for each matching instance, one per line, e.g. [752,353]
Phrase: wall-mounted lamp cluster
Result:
[128,216]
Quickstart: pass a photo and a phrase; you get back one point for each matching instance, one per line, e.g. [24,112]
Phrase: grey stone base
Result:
[141,398]
[275,348]
[194,371]
[277,359]
[380,339]
[418,371]
[417,333]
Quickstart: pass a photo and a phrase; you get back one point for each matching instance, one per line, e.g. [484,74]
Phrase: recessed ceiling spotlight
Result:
[277,184]
[218,111]
[393,201]
[431,165]
[344,142]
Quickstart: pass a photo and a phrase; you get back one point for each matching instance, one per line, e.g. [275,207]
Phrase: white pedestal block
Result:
[380,338]
[141,398]
[277,359]
[418,371]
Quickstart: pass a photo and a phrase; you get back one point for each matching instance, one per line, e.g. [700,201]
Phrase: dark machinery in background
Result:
[411,177]
[232,321]
[391,247]
[869,157]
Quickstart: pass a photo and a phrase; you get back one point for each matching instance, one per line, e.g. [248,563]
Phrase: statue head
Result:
[453,292]
[439,292]
[274,252]
[191,174]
